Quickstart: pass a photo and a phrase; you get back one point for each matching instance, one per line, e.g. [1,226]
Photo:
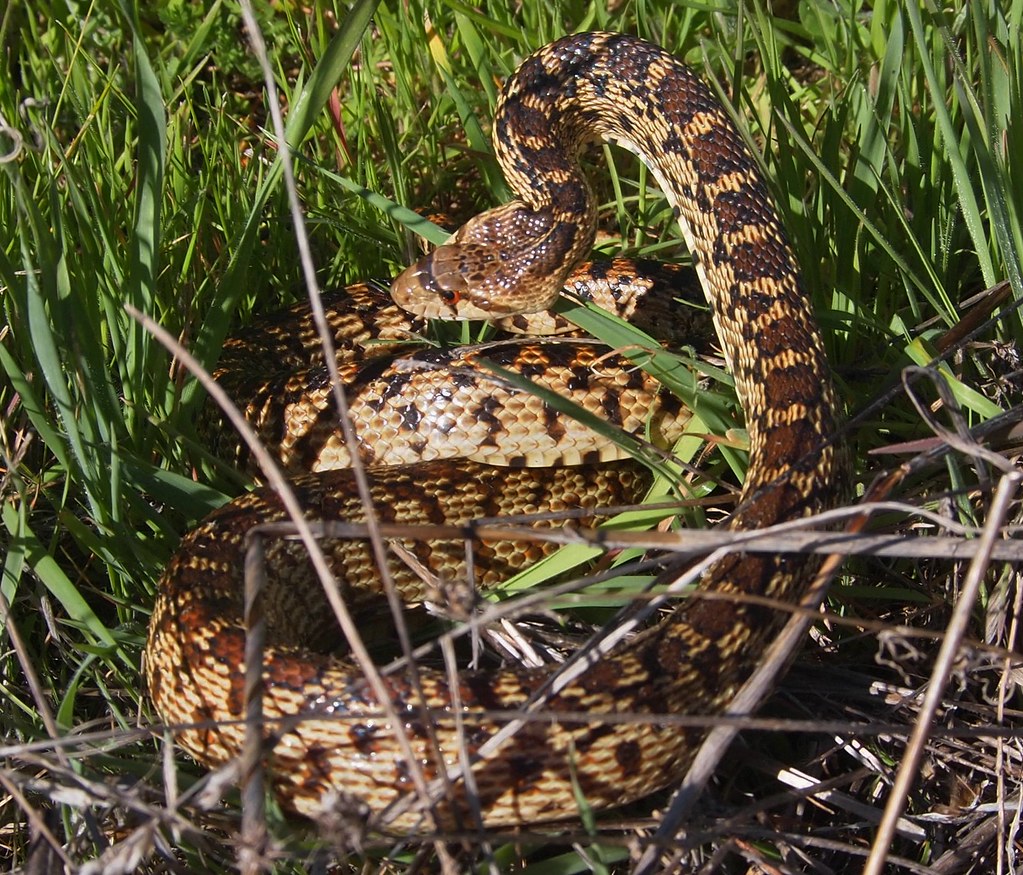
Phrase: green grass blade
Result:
[52,576]
[145,242]
[952,141]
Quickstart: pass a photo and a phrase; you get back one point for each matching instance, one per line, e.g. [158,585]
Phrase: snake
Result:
[331,749]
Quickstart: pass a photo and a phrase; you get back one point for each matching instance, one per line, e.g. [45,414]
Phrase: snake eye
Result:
[450,296]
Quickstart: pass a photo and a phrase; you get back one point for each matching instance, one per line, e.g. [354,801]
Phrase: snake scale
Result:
[330,748]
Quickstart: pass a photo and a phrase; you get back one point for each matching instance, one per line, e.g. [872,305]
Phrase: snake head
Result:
[508,260]
[441,286]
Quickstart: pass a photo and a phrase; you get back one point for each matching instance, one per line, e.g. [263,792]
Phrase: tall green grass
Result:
[139,169]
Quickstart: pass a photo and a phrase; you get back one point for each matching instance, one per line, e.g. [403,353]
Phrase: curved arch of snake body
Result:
[588,86]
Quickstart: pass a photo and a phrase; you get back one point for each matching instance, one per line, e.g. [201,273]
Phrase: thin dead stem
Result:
[941,673]
[347,429]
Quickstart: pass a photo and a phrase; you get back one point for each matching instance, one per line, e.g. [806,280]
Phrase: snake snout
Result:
[417,291]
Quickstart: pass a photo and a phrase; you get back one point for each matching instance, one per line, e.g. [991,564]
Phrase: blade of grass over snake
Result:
[664,489]
[636,448]
[667,367]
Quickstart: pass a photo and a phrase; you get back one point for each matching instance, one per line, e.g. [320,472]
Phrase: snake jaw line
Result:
[510,247]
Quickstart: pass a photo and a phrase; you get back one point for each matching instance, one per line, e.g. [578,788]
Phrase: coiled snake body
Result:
[330,746]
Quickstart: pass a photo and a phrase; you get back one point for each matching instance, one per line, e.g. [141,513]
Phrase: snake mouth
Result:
[418,291]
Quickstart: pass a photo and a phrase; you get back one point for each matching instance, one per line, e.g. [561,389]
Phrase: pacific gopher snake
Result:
[341,753]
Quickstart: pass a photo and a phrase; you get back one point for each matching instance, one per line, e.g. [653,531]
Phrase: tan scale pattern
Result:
[339,754]
[409,407]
